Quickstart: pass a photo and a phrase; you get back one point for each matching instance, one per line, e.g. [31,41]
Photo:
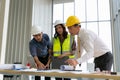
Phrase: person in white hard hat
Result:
[40,49]
[63,46]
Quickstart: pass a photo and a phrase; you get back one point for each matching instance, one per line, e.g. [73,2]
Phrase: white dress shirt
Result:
[92,44]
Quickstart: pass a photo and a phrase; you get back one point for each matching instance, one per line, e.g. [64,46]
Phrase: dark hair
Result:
[77,25]
[64,32]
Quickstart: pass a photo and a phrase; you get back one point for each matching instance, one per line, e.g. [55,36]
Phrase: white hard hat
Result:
[58,22]
[36,30]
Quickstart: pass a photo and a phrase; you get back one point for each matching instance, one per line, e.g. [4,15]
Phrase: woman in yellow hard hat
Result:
[92,44]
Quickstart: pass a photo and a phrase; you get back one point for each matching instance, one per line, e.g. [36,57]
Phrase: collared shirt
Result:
[92,44]
[40,49]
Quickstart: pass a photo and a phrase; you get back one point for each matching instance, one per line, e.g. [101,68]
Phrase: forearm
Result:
[49,61]
[50,56]
[67,54]
[36,60]
[72,52]
[85,57]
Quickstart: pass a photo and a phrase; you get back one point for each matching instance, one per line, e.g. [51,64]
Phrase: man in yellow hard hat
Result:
[92,44]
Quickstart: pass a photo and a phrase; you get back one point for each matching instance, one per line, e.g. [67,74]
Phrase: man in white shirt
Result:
[92,44]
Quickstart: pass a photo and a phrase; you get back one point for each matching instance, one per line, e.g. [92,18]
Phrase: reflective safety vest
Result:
[66,46]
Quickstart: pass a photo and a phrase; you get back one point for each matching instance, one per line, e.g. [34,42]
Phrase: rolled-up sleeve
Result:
[32,49]
[49,44]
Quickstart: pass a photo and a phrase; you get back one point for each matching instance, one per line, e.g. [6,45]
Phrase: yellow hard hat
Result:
[72,20]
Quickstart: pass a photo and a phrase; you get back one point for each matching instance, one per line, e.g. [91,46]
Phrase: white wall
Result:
[2,9]
[42,14]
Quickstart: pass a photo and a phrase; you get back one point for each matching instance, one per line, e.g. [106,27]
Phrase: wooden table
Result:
[70,74]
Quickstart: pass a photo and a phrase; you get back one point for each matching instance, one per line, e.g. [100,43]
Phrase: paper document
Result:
[66,67]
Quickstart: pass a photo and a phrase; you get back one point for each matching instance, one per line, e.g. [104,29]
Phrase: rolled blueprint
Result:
[66,67]
[19,66]
[6,66]
[12,66]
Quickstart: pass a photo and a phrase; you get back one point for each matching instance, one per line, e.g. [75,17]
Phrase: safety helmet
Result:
[58,22]
[35,30]
[72,20]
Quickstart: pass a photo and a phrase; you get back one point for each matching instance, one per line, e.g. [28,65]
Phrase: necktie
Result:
[78,47]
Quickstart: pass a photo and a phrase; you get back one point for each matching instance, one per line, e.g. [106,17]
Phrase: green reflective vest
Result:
[66,46]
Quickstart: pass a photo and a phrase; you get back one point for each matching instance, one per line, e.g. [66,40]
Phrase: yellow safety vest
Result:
[66,46]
